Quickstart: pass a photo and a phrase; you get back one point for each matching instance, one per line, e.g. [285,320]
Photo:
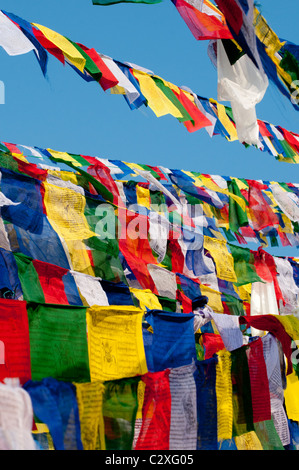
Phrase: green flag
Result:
[58,342]
[237,216]
[244,265]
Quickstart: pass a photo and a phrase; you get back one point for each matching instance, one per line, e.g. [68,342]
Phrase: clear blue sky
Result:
[68,114]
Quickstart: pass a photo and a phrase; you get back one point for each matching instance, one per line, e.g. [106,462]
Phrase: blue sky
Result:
[65,113]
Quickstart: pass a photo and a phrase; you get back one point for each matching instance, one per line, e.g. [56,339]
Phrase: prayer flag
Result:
[156,412]
[115,342]
[120,405]
[58,342]
[15,344]
[54,403]
[173,343]
[203,19]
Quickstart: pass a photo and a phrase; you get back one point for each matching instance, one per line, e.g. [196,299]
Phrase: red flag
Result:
[259,383]
[156,412]
[50,277]
[108,80]
[14,341]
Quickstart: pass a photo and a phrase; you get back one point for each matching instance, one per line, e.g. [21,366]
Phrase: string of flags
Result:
[238,210]
[247,54]
[141,87]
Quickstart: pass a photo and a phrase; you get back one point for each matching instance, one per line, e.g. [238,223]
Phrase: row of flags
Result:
[141,87]
[130,318]
[239,210]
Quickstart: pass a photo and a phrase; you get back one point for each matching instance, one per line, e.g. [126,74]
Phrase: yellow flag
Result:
[143,196]
[67,48]
[115,342]
[157,101]
[291,396]
[90,405]
[65,210]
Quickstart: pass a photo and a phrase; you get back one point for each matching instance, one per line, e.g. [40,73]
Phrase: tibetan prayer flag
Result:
[115,342]
[212,344]
[153,91]
[244,265]
[13,40]
[44,246]
[291,395]
[173,343]
[237,215]
[135,247]
[276,381]
[10,285]
[198,118]
[261,213]
[55,404]
[14,341]
[107,79]
[27,30]
[222,257]
[120,404]
[156,412]
[48,45]
[112,2]
[205,380]
[31,287]
[224,396]
[174,96]
[90,405]
[42,282]
[183,424]
[203,19]
[239,17]
[146,299]
[70,52]
[24,207]
[260,392]
[242,398]
[58,342]
[118,293]
[272,324]
[65,211]
[16,418]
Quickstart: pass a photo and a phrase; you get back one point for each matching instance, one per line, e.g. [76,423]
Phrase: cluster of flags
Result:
[117,294]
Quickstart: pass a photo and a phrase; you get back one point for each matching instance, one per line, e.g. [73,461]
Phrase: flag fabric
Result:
[203,19]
